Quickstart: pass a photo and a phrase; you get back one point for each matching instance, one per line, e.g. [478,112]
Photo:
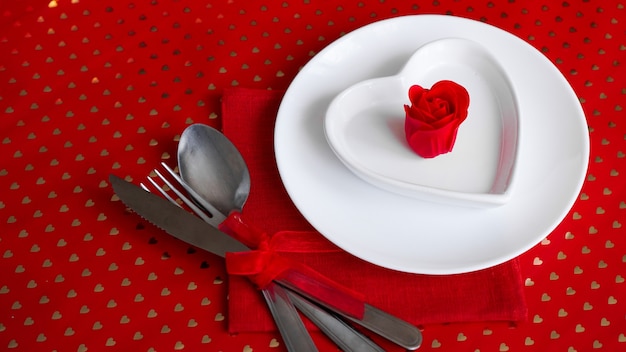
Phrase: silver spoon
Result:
[225,181]
[215,174]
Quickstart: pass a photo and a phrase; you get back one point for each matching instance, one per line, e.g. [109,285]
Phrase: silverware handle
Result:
[384,324]
[342,334]
[291,327]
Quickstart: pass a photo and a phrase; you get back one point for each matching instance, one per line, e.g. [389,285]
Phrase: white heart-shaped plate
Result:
[364,126]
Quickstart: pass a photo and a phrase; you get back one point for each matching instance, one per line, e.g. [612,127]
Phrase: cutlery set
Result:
[312,294]
[283,302]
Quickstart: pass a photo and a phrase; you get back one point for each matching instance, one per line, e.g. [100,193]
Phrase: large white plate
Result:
[412,235]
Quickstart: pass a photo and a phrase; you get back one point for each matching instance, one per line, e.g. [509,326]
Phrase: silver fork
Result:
[281,301]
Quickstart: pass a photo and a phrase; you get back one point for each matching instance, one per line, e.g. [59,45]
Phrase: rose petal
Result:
[453,93]
[415,93]
[414,113]
[430,143]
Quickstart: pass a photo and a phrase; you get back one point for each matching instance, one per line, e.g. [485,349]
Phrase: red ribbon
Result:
[263,265]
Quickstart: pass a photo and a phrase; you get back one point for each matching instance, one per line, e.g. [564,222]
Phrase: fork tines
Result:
[182,196]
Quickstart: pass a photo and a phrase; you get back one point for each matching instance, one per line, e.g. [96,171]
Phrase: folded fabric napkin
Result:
[493,294]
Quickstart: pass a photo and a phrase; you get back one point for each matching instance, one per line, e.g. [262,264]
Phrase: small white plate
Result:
[364,126]
[406,233]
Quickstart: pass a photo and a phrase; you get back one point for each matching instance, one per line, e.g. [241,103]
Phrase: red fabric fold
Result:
[493,294]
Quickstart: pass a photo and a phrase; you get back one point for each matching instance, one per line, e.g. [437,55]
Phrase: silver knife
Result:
[191,229]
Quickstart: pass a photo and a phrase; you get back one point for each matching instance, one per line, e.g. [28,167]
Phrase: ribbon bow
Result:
[263,265]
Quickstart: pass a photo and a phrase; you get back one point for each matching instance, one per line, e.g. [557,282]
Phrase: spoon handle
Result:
[291,327]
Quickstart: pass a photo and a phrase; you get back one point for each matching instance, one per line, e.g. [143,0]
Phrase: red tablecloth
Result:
[91,88]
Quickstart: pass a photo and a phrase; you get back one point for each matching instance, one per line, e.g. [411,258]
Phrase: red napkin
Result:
[494,294]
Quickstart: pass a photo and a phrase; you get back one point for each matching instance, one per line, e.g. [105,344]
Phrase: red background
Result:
[90,88]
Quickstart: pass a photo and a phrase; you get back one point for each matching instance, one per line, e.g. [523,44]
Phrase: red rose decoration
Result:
[434,117]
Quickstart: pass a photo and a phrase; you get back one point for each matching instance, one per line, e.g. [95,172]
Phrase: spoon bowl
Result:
[213,167]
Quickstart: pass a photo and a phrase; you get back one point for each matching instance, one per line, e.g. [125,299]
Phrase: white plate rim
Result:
[417,236]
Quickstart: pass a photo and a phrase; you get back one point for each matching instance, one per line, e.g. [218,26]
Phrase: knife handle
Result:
[384,324]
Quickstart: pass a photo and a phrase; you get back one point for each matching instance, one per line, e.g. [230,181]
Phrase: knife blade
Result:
[191,229]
